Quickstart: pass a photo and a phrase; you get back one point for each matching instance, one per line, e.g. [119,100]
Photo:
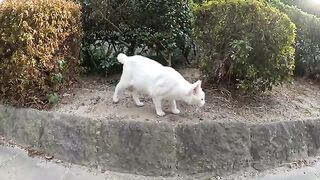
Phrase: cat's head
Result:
[195,95]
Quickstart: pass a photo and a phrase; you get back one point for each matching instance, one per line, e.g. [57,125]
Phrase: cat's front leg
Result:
[173,107]
[157,104]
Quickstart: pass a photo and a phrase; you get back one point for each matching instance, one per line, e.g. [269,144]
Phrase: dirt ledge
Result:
[161,148]
[297,100]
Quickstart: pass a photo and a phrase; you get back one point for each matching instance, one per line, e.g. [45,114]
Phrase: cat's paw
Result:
[161,113]
[115,100]
[139,104]
[175,111]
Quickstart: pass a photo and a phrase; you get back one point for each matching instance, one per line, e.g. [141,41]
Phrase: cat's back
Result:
[142,70]
[141,62]
[172,73]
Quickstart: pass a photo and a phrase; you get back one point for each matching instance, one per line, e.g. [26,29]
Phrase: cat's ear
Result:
[195,88]
[199,83]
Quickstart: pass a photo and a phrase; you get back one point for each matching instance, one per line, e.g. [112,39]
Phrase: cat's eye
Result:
[201,99]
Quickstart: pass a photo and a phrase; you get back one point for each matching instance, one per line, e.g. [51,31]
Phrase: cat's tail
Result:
[122,58]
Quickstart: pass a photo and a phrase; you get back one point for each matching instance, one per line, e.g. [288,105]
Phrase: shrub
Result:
[134,27]
[244,43]
[307,42]
[39,49]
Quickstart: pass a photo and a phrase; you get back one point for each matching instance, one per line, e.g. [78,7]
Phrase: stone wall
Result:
[153,148]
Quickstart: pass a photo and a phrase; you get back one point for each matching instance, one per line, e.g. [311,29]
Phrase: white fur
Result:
[147,76]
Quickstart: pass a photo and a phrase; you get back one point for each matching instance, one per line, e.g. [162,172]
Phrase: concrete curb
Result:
[162,149]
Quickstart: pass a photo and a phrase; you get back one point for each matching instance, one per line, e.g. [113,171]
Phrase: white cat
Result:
[147,76]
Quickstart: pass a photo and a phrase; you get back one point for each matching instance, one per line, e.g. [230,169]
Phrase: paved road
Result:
[305,173]
[16,165]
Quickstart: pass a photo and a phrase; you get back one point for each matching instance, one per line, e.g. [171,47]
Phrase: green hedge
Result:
[39,50]
[307,41]
[134,27]
[244,43]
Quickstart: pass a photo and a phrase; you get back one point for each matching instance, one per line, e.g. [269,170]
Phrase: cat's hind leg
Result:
[135,96]
[122,85]
[173,107]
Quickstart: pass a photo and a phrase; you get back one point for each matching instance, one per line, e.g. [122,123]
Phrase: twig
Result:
[114,26]
[142,49]
[92,61]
